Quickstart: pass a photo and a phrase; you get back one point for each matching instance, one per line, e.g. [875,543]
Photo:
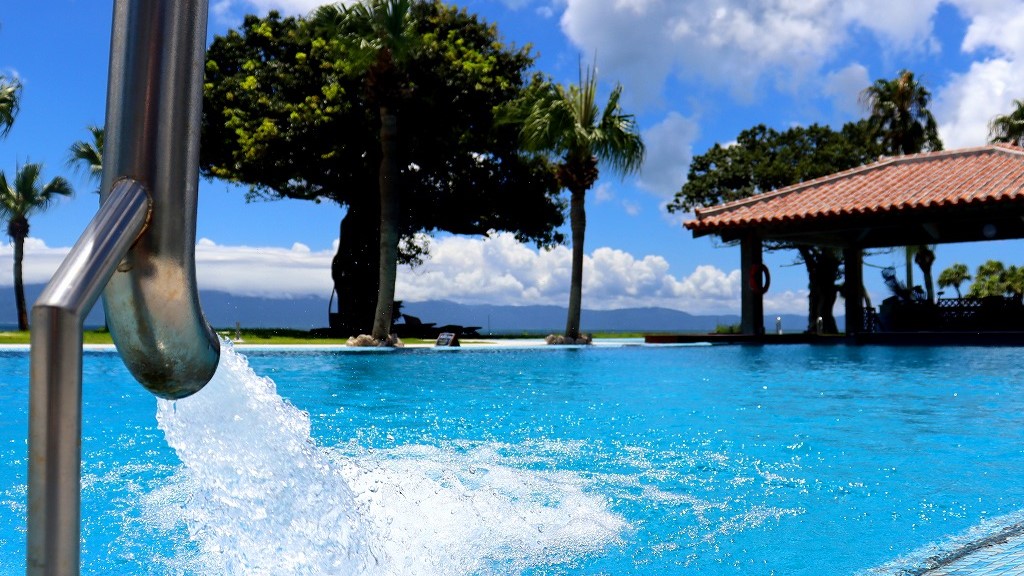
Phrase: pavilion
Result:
[965,195]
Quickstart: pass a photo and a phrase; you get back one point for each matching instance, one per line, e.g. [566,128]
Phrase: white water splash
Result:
[263,498]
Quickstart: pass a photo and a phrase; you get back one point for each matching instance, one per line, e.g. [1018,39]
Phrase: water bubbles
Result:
[260,497]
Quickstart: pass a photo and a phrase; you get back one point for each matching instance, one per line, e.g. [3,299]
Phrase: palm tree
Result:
[1010,127]
[898,115]
[25,197]
[989,280]
[88,156]
[567,123]
[899,118]
[387,42]
[954,276]
[924,257]
[10,97]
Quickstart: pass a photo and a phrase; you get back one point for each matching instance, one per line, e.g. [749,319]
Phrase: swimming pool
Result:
[632,460]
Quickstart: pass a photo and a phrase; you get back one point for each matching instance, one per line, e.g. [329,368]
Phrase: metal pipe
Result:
[154,109]
[55,395]
[138,250]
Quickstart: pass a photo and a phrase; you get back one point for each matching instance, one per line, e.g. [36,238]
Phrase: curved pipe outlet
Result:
[154,109]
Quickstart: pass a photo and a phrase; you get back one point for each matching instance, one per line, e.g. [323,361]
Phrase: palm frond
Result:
[10,101]
[25,195]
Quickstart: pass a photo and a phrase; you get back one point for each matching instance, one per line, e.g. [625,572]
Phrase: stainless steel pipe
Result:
[139,251]
[154,109]
[55,394]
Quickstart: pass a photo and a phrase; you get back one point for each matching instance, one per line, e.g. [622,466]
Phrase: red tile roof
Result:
[966,177]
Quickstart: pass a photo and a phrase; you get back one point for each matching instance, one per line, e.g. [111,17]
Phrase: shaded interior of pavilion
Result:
[967,195]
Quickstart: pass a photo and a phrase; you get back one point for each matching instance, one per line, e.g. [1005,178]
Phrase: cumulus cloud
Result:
[264,271]
[969,101]
[730,42]
[492,270]
[669,151]
[844,87]
[500,270]
[232,10]
[39,264]
[736,43]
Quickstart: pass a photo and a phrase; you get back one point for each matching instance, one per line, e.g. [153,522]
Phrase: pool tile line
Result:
[1000,554]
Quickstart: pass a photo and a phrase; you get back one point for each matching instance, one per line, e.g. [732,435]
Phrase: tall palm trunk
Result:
[18,231]
[578,222]
[924,258]
[388,223]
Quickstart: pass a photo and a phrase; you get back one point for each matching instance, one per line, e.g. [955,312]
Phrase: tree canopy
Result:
[764,159]
[286,113]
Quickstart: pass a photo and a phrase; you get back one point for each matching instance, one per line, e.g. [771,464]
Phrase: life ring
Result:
[754,276]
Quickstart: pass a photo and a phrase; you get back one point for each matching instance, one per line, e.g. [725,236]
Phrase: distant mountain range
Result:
[223,310]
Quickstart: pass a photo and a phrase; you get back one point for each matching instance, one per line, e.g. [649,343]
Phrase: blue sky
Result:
[693,72]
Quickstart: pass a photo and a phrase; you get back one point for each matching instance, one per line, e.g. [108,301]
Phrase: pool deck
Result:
[1015,338]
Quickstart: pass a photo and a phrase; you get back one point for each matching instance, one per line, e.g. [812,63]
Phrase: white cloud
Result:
[263,271]
[232,10]
[669,152]
[903,25]
[493,270]
[736,43]
[730,42]
[500,270]
[966,104]
[845,86]
[631,208]
[603,193]
[38,266]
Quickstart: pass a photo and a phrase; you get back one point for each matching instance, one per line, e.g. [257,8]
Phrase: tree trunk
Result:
[355,269]
[578,222]
[909,252]
[924,258]
[389,235]
[822,273]
[18,230]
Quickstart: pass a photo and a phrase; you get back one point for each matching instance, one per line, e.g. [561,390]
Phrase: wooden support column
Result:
[752,306]
[853,259]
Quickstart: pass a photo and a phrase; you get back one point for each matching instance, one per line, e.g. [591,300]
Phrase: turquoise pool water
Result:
[635,460]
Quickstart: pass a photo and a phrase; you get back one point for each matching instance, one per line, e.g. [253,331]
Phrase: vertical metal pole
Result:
[55,393]
[150,181]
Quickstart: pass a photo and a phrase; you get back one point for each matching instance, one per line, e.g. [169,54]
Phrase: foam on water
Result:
[261,497]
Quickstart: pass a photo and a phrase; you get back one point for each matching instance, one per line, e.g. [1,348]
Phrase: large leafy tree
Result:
[764,159]
[569,124]
[10,97]
[287,113]
[19,199]
[899,118]
[1008,127]
[87,155]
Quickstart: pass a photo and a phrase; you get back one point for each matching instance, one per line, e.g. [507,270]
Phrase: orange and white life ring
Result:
[755,275]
